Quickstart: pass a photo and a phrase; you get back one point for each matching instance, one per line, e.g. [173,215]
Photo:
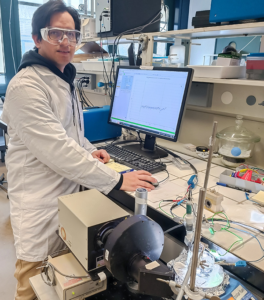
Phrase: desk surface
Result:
[177,185]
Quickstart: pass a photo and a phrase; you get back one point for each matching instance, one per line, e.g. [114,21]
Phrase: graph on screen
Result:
[154,102]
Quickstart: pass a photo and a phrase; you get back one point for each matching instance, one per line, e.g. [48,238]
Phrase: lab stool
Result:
[2,181]
[3,148]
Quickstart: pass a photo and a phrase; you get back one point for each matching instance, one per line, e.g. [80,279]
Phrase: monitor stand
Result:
[148,149]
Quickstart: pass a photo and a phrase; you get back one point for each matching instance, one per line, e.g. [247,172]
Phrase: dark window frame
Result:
[14,41]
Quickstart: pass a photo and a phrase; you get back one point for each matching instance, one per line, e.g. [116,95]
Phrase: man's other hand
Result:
[101,155]
[137,179]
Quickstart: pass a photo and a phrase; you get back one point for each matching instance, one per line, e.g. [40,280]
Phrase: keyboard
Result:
[133,160]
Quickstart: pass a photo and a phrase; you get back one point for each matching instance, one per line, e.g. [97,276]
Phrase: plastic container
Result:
[219,71]
[255,66]
[226,177]
[236,143]
[177,55]
[255,61]
[160,61]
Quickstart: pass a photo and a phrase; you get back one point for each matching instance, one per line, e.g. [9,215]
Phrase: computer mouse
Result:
[155,184]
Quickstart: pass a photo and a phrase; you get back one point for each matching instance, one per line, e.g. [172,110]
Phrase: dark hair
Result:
[43,14]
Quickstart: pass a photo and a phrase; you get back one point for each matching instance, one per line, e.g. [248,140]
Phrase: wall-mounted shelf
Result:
[247,29]
[242,81]
[93,72]
[125,39]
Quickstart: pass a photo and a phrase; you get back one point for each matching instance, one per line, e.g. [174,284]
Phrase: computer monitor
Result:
[151,101]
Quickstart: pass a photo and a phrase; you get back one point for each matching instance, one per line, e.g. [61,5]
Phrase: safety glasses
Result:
[55,36]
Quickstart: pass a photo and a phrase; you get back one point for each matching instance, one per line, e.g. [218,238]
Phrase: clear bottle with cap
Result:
[141,202]
[177,54]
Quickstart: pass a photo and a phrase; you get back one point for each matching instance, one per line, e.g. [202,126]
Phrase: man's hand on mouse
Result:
[101,155]
[137,179]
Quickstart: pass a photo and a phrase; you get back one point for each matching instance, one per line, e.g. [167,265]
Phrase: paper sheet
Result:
[259,197]
[246,214]
[118,167]
[166,191]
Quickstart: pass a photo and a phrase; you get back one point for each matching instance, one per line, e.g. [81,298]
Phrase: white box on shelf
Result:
[219,71]
[78,66]
[88,28]
[226,62]
[95,65]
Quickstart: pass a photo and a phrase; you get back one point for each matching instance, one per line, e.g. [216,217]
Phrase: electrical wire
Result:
[179,201]
[166,11]
[49,270]
[186,161]
[240,224]
[226,228]
[47,266]
[238,241]
[133,31]
[168,175]
[257,241]
[79,89]
[101,50]
[141,141]
[248,43]
[164,210]
[84,99]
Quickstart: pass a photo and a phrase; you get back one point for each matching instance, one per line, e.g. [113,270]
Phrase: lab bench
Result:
[248,249]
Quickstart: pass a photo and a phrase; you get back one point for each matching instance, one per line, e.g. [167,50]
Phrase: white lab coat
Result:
[47,157]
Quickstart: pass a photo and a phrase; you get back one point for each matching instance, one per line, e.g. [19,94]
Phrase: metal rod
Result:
[211,148]
[185,282]
[198,228]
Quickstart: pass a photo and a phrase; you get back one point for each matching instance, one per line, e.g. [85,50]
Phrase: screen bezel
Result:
[183,105]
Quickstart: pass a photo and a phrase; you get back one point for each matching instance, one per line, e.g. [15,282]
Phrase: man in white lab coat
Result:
[48,155]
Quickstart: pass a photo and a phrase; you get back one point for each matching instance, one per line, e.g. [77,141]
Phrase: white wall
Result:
[207,46]
[197,5]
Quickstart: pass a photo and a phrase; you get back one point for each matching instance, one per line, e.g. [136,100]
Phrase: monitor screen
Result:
[150,101]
